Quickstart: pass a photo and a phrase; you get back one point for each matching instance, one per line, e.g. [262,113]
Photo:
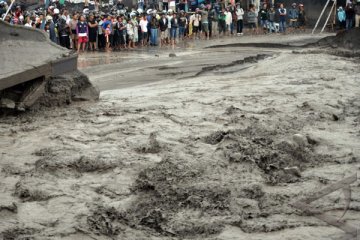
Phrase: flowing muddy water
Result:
[204,145]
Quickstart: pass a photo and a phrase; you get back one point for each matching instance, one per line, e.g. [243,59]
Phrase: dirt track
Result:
[214,156]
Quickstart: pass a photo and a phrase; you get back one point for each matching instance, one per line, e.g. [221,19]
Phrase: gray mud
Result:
[218,156]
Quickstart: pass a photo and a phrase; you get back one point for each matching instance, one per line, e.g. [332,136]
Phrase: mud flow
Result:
[209,143]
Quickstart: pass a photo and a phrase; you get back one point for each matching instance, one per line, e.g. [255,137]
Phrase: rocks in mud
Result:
[231,110]
[274,159]
[215,137]
[165,173]
[153,146]
[252,191]
[344,39]
[187,224]
[106,221]
[11,207]
[18,233]
[7,103]
[169,187]
[29,189]
[246,208]
[294,171]
[65,89]
[312,140]
[300,140]
[59,164]
[172,55]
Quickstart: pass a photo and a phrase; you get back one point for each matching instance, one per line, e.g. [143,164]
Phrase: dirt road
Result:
[217,154]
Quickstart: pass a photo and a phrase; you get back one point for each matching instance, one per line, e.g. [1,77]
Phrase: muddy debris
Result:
[167,189]
[19,234]
[153,145]
[271,156]
[59,163]
[252,191]
[29,190]
[64,89]
[215,137]
[345,39]
[105,221]
[11,207]
[231,110]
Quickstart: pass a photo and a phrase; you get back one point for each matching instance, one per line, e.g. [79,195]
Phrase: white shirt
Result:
[130,29]
[240,14]
[169,21]
[143,25]
[228,18]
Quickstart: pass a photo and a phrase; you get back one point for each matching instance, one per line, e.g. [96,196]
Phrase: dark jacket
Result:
[154,23]
[174,22]
[163,25]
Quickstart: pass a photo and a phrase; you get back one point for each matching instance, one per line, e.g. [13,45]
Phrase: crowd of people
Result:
[346,17]
[127,29]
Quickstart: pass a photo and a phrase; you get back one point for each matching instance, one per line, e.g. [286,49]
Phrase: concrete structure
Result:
[29,58]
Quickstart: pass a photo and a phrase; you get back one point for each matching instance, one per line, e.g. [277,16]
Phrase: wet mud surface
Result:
[207,154]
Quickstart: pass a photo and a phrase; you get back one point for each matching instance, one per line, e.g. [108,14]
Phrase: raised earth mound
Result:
[346,39]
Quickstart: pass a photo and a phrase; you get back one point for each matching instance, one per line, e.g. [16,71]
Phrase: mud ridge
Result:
[258,45]
[250,59]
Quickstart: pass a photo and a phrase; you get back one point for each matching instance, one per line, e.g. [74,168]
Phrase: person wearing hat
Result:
[135,23]
[154,25]
[3,8]
[341,17]
[64,33]
[293,16]
[51,29]
[163,24]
